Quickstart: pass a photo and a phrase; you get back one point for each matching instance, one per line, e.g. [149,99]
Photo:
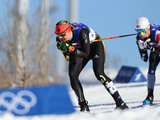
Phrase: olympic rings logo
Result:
[19,103]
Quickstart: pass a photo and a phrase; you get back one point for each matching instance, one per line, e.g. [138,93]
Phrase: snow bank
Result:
[102,105]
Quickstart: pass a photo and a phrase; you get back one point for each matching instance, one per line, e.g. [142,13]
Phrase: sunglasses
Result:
[141,32]
[62,34]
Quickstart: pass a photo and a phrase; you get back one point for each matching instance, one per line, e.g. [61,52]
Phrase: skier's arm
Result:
[84,42]
[63,48]
[142,51]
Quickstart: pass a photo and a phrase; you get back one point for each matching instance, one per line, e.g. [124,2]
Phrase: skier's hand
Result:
[141,44]
[148,45]
[145,44]
[65,47]
[61,46]
[71,48]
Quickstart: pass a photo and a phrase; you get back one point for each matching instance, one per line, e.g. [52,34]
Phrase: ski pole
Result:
[108,38]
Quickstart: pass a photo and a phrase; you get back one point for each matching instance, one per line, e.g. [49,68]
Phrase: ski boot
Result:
[148,100]
[121,105]
[84,106]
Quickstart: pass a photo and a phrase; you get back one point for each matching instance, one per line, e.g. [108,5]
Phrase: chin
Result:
[142,37]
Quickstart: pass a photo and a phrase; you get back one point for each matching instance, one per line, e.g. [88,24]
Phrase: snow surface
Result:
[102,105]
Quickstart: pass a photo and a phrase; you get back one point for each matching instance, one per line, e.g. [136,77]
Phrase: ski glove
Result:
[141,44]
[144,55]
[61,46]
[145,44]
[71,48]
[65,47]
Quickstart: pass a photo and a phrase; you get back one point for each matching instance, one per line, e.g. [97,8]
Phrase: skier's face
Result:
[144,33]
[64,32]
[65,37]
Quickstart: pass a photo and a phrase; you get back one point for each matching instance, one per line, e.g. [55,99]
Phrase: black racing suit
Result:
[89,51]
[154,56]
[154,59]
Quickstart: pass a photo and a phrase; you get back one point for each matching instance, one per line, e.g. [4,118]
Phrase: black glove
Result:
[65,47]
[148,46]
[71,49]
[61,46]
[144,55]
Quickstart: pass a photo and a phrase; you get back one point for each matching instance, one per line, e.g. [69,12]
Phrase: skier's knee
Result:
[72,75]
[152,70]
[104,79]
[108,84]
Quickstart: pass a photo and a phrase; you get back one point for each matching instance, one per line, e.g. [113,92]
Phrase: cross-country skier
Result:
[78,56]
[148,38]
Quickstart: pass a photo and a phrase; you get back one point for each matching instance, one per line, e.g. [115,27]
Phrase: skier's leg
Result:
[98,67]
[75,67]
[153,63]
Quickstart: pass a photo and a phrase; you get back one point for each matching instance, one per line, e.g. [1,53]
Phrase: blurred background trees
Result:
[27,48]
[28,54]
